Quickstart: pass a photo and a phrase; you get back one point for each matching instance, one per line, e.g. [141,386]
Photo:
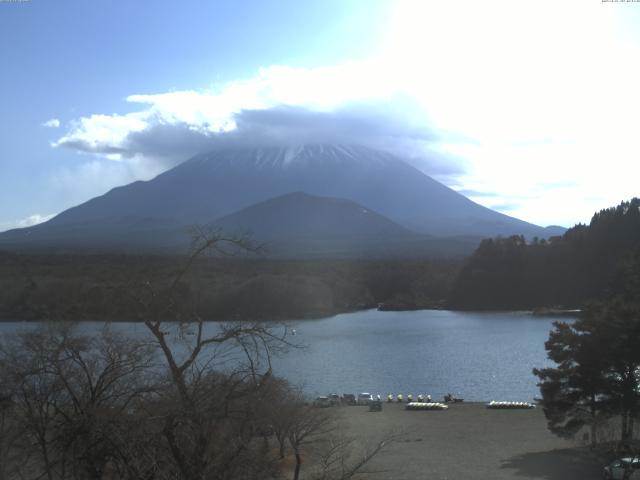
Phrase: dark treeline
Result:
[587,262]
[96,287]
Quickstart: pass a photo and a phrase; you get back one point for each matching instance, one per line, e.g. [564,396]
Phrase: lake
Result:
[477,356]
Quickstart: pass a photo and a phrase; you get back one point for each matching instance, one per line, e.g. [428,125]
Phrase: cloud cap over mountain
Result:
[282,106]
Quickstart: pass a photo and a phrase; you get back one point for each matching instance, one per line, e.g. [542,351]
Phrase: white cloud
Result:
[102,133]
[354,103]
[52,123]
[214,112]
[545,90]
[34,219]
[29,221]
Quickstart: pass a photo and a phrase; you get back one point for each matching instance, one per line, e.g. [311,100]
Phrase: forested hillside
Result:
[587,262]
[112,287]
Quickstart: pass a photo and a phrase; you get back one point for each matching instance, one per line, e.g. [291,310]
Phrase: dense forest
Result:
[110,287]
[588,262]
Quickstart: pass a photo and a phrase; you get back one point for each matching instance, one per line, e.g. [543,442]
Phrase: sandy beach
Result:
[469,441]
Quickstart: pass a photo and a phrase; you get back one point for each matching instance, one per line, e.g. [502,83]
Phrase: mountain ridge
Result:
[216,184]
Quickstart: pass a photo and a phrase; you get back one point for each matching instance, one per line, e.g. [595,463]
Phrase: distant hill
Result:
[301,225]
[586,263]
[299,214]
[155,214]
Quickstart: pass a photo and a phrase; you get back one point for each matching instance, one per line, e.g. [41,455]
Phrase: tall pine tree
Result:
[598,370]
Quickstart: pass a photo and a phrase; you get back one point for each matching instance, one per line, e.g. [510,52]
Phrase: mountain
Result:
[299,214]
[217,184]
[302,225]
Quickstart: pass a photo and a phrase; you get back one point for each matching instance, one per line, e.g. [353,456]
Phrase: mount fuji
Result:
[218,187]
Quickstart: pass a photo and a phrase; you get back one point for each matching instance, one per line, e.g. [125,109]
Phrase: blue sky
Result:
[527,107]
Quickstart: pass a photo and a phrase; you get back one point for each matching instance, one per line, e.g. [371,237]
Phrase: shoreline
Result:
[323,315]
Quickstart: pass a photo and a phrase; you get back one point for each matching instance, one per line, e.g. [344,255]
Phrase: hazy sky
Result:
[528,107]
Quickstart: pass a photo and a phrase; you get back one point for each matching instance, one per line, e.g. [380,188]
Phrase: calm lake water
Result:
[478,356]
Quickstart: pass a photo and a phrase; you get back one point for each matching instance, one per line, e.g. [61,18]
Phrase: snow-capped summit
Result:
[292,156]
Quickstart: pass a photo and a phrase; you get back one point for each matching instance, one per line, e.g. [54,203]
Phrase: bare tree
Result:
[276,408]
[314,433]
[70,393]
[343,457]
[215,373]
[10,432]
[305,424]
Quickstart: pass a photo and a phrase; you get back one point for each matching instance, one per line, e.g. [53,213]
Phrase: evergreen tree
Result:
[567,271]
[572,391]
[618,329]
[598,370]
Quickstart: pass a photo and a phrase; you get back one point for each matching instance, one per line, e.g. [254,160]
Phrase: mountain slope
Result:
[299,214]
[155,214]
[127,234]
[216,184]
[303,226]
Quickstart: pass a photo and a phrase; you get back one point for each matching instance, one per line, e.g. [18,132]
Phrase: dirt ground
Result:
[469,441]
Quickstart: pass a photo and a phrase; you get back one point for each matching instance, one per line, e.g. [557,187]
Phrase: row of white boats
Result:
[510,405]
[492,404]
[426,406]
[400,398]
[424,403]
